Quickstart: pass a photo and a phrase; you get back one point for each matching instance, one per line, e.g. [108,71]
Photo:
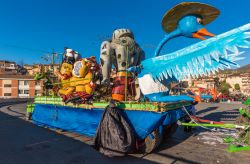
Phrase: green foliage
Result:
[247,102]
[39,76]
[224,87]
[217,83]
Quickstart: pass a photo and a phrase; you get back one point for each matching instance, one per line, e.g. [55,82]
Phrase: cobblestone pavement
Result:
[23,142]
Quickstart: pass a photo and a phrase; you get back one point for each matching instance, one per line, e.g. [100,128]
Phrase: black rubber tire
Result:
[151,144]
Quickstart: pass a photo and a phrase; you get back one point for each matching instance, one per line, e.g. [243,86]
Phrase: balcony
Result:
[23,95]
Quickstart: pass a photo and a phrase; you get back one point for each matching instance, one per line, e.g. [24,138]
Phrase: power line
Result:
[24,48]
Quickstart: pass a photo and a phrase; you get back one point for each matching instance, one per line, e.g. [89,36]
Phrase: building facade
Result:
[201,82]
[19,86]
[7,67]
[38,68]
[245,81]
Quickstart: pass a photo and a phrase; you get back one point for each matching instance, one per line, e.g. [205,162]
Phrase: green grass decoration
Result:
[229,139]
[244,112]
[247,102]
[30,108]
[143,106]
[234,148]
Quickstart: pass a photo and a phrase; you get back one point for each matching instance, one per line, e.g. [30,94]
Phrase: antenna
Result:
[52,58]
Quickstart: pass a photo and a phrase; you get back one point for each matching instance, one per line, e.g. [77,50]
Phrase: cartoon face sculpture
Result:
[121,52]
[82,77]
[80,69]
[66,69]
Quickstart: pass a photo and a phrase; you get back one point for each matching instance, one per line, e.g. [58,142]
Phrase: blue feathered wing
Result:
[202,58]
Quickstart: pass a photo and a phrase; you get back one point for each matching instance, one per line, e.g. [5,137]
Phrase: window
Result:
[26,92]
[7,85]
[37,83]
[12,66]
[7,94]
[21,82]
[26,82]
[37,92]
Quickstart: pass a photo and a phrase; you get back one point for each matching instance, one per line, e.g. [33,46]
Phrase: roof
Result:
[4,76]
[41,65]
[6,61]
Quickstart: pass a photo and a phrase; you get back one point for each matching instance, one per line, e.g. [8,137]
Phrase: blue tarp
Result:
[85,121]
[163,97]
[206,96]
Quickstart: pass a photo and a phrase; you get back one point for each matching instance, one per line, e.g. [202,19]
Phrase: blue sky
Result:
[30,27]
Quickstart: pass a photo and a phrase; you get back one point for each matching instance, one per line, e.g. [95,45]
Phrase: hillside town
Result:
[17,81]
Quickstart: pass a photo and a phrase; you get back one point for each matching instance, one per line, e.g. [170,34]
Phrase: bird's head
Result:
[187,19]
[192,26]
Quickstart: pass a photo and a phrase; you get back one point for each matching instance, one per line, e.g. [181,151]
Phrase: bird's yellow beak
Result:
[202,32]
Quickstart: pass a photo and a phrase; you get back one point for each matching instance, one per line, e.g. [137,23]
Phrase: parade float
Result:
[135,88]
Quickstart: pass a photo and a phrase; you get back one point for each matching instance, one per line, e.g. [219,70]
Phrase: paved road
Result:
[201,146]
[23,142]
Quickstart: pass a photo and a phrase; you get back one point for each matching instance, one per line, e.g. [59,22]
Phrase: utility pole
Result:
[53,60]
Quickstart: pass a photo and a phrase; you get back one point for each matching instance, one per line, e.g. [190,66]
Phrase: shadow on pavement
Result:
[177,159]
[225,116]
[209,109]
[174,139]
[24,142]
[7,102]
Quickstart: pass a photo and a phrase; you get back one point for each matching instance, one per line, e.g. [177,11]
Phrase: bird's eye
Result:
[199,20]
[124,41]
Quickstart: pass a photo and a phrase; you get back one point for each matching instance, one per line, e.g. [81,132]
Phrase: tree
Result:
[217,82]
[237,87]
[224,87]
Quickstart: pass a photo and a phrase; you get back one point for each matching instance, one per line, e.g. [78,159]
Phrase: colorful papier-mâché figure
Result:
[65,74]
[188,19]
[122,52]
[81,85]
[70,56]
